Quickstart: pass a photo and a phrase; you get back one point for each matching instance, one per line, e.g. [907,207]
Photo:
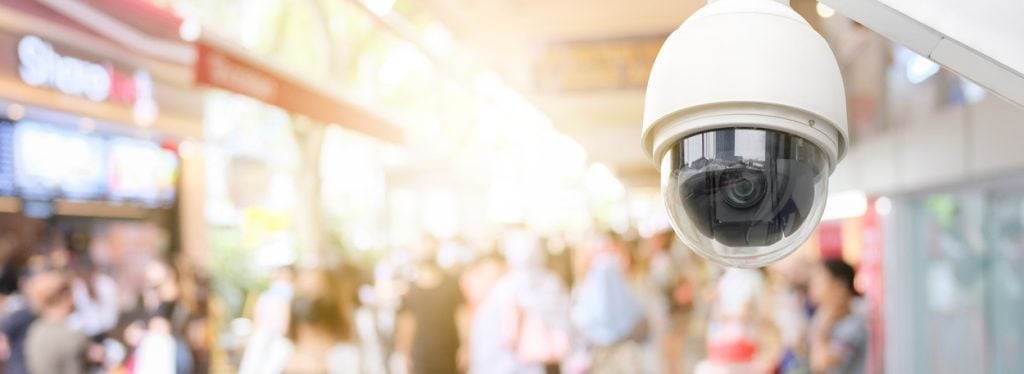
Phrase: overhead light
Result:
[379,7]
[186,148]
[145,112]
[15,112]
[824,11]
[488,83]
[883,206]
[601,181]
[843,205]
[919,69]
[402,62]
[86,125]
[241,326]
[972,91]
[438,39]
[190,29]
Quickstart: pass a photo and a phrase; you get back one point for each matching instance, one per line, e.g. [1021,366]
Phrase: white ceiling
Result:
[509,35]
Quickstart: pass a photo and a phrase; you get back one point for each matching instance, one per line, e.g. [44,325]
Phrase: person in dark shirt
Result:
[838,332]
[428,328]
[14,327]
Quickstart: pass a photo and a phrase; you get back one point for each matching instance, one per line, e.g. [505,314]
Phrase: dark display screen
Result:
[41,161]
[7,187]
[52,161]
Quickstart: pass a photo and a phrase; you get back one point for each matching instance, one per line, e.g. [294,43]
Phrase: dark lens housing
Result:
[745,187]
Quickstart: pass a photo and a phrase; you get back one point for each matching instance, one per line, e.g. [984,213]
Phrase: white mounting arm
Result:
[988,47]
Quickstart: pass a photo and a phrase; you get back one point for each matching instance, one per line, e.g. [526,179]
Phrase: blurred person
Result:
[60,257]
[198,331]
[684,281]
[129,333]
[388,291]
[96,299]
[160,291]
[346,280]
[477,280]
[157,351]
[431,319]
[648,287]
[319,339]
[454,254]
[838,334]
[368,332]
[270,319]
[162,325]
[188,319]
[788,292]
[14,327]
[741,338]
[560,259]
[696,316]
[51,346]
[522,324]
[12,259]
[354,289]
[608,313]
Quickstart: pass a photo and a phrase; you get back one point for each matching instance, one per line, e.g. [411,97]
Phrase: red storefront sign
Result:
[870,277]
[830,237]
[218,66]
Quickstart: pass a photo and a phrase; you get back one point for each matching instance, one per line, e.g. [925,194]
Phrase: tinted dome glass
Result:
[744,197]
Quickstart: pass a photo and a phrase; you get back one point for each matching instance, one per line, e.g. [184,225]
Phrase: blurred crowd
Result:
[64,308]
[606,303]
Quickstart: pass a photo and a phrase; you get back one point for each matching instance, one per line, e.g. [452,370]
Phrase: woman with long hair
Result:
[320,337]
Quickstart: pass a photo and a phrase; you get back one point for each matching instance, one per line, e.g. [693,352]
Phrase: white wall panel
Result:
[878,171]
[845,176]
[953,146]
[932,151]
[996,137]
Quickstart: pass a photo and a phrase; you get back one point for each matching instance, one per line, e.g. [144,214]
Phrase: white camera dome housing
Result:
[745,115]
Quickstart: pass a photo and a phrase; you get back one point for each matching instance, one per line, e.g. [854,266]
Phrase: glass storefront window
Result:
[961,253]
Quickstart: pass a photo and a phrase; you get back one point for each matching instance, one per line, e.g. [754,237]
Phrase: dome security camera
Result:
[746,115]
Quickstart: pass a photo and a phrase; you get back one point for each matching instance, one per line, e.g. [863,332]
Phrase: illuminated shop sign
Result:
[41,66]
[47,161]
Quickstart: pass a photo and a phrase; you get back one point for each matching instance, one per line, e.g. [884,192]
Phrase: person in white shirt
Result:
[522,325]
[96,299]
[270,320]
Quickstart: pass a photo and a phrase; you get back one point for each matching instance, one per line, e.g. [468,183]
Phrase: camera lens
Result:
[743,189]
[743,197]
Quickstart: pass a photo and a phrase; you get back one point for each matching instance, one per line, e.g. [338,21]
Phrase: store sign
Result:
[249,81]
[41,66]
[593,65]
[225,69]
[220,70]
